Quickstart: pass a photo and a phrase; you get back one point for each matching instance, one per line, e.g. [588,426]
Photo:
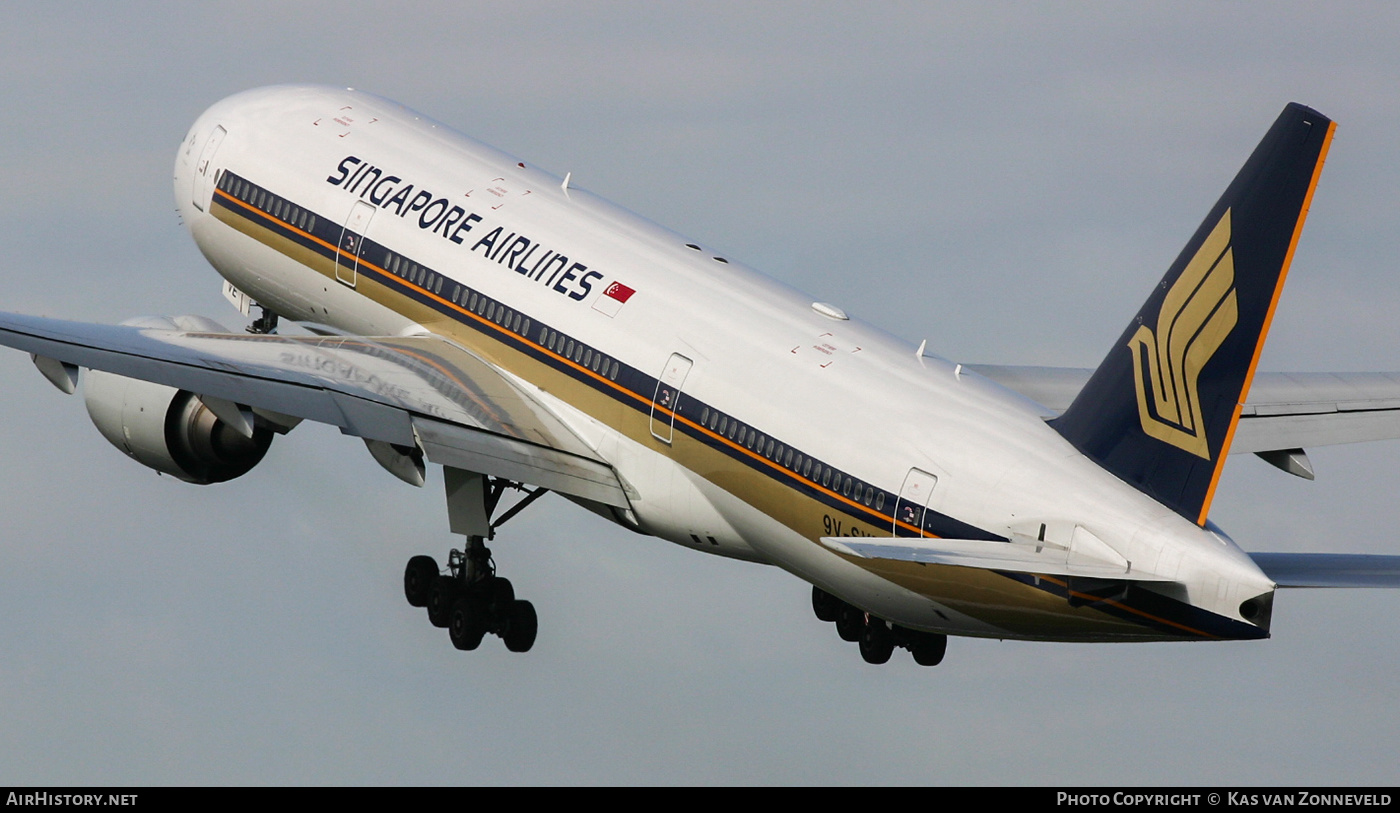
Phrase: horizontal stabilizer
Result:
[1329,569]
[1284,410]
[1022,556]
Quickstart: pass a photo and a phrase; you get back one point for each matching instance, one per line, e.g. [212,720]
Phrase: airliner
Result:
[449,304]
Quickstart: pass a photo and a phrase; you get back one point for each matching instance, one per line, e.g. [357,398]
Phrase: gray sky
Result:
[1007,181]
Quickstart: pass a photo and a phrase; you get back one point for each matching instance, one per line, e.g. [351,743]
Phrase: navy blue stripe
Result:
[636,389]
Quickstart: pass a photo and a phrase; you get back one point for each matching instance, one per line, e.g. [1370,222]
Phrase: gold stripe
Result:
[1005,603]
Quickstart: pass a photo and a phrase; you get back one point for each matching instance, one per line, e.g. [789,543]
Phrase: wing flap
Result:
[499,456]
[1329,569]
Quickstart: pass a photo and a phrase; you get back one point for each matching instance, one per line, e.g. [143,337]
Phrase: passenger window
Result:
[613,375]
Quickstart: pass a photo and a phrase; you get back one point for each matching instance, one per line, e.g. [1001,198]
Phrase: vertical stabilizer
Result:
[1161,409]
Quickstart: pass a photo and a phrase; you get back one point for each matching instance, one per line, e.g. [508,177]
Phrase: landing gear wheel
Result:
[521,625]
[500,595]
[463,627]
[825,605]
[440,597]
[876,642]
[929,649]
[418,579]
[849,623]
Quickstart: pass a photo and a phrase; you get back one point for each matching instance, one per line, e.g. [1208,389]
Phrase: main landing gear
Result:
[470,600]
[877,637]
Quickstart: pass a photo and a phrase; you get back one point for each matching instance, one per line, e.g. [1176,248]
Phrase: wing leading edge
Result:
[407,391]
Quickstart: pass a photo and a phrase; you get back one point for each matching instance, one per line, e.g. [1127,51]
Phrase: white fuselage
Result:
[814,388]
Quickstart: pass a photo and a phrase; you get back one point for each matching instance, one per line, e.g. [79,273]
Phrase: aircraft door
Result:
[203,185]
[668,397]
[352,238]
[913,500]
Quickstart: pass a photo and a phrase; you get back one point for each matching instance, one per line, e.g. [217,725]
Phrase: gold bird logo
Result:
[1197,315]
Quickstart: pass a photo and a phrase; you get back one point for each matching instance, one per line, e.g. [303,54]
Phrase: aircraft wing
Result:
[408,391]
[1284,411]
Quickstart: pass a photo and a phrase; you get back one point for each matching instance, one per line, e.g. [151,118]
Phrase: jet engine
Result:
[197,439]
[174,431]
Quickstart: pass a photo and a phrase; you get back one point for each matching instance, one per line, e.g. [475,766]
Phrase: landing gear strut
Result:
[470,600]
[876,636]
[264,324]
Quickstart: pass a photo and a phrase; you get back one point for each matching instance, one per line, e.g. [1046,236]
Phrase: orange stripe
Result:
[570,362]
[726,441]
[1268,319]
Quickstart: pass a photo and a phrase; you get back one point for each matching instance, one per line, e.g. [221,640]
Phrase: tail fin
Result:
[1161,409]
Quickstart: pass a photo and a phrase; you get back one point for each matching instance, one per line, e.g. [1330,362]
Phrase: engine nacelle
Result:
[170,430]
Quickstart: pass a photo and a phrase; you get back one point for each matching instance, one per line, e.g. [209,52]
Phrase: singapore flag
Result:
[613,298]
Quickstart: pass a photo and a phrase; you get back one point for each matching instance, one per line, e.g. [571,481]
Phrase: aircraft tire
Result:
[521,627]
[440,597]
[825,605]
[876,642]
[418,579]
[465,630]
[500,597]
[929,649]
[849,623]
